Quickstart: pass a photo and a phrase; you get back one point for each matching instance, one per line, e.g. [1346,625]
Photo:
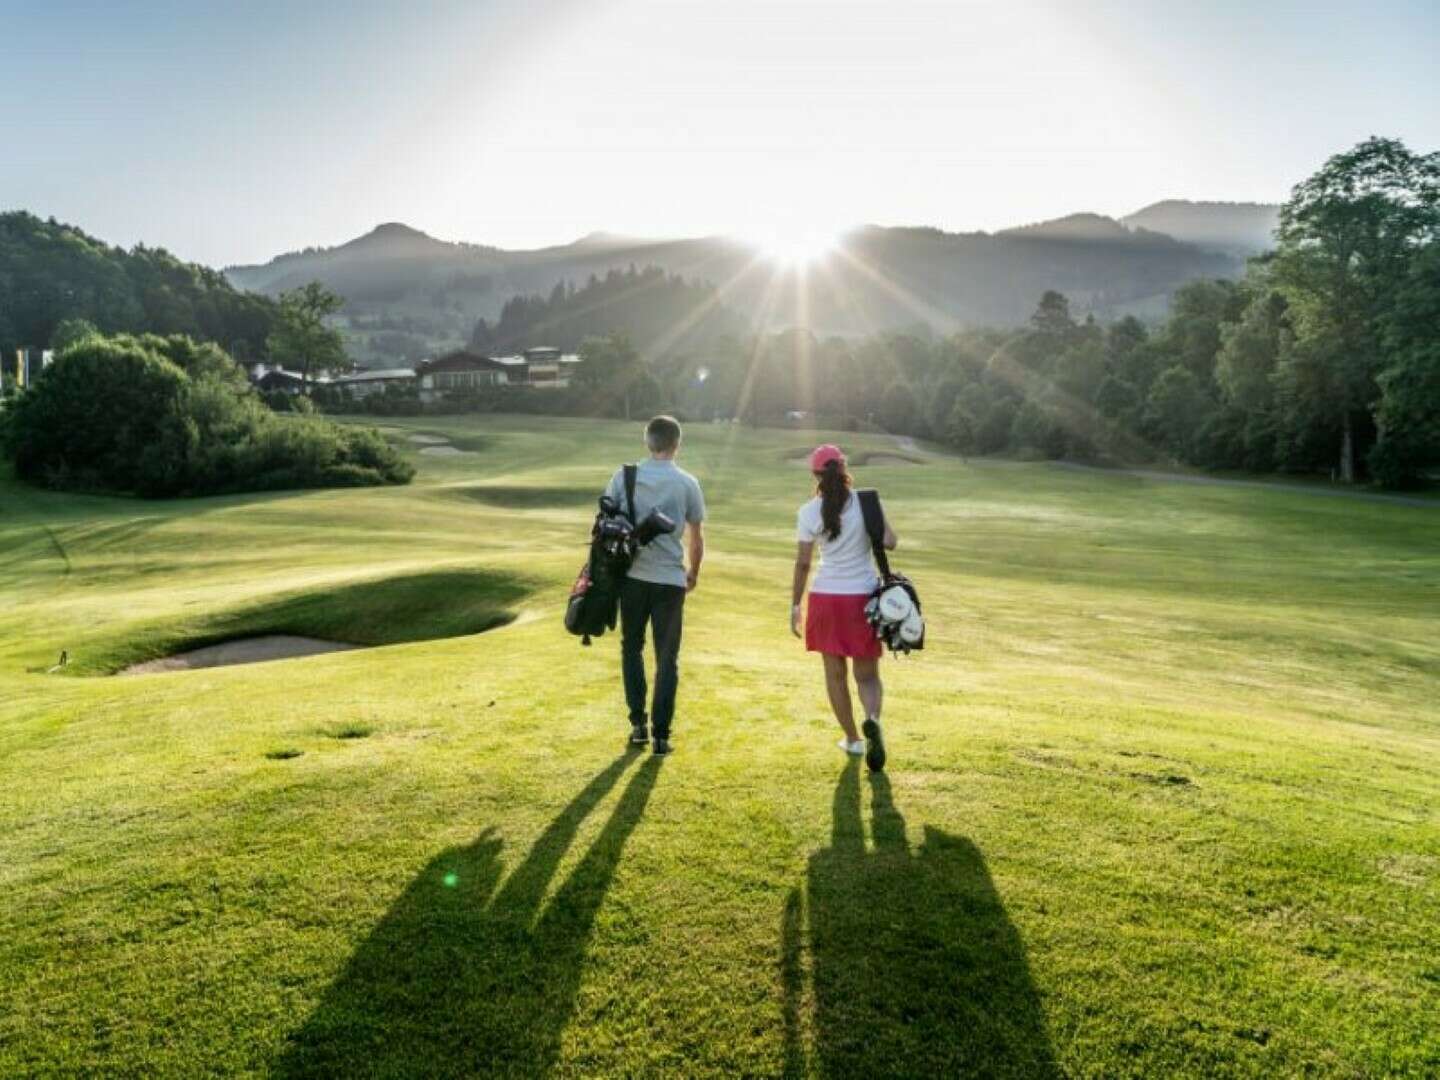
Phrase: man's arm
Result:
[804,551]
[696,532]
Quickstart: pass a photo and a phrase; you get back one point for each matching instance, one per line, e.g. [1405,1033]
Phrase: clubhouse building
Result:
[463,372]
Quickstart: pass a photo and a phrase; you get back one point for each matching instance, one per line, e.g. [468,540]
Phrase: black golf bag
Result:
[594,603]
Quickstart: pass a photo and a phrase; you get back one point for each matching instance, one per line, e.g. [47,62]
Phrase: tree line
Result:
[161,416]
[51,272]
[649,306]
[1324,357]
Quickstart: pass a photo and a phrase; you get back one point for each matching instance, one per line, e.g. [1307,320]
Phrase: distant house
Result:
[466,372]
[364,383]
[547,366]
[268,377]
[460,372]
[277,378]
[542,366]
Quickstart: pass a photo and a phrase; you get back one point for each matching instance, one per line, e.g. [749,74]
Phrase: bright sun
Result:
[793,244]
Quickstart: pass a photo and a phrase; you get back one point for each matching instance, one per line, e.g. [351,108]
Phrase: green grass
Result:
[1162,799]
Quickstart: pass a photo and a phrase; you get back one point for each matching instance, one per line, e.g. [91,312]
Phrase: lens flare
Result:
[792,243]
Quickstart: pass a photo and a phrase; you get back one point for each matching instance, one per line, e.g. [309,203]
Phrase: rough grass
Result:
[1162,797]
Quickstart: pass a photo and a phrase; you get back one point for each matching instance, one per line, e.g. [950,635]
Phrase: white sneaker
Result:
[856,748]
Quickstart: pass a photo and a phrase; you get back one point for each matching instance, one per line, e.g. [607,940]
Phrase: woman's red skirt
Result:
[835,624]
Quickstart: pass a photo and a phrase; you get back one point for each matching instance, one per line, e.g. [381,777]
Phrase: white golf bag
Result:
[893,609]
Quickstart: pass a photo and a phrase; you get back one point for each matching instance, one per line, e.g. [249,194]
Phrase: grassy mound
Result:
[383,611]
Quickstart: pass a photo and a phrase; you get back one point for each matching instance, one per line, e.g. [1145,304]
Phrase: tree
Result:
[1052,315]
[301,338]
[1346,237]
[70,331]
[1250,352]
[961,429]
[612,365]
[1192,333]
[159,416]
[1175,409]
[899,411]
[1408,414]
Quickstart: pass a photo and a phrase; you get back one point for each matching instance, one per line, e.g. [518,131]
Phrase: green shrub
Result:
[165,416]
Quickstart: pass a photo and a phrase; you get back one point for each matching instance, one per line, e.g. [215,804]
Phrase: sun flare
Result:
[793,244]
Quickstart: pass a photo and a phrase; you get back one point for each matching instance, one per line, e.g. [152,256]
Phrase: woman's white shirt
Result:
[847,567]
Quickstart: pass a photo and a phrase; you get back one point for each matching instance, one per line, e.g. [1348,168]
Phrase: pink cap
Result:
[823,455]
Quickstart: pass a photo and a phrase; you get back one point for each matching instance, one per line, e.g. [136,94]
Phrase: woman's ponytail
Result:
[833,487]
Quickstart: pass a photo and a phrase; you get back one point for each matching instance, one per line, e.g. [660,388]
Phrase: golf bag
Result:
[594,603]
[893,609]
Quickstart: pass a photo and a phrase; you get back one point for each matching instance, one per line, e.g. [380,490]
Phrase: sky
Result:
[231,132]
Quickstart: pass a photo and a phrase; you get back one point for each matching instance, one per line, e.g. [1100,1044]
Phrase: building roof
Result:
[460,360]
[381,375]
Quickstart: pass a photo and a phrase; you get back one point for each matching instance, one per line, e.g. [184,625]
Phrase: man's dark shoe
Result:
[661,747]
[639,734]
[874,745]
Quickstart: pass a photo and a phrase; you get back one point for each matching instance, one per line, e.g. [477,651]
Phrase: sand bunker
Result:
[244,651]
[429,440]
[446,451]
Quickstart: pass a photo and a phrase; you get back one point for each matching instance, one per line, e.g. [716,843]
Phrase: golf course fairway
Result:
[1163,795]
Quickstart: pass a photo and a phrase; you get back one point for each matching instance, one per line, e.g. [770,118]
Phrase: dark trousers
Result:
[662,607]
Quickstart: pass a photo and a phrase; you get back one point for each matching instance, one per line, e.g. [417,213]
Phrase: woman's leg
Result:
[867,684]
[838,687]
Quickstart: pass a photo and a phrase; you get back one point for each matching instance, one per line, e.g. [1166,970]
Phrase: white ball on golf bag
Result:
[895,604]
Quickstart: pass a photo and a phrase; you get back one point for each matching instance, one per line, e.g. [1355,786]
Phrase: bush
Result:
[118,414]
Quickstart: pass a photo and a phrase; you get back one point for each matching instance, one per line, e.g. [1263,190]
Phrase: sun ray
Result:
[941,320]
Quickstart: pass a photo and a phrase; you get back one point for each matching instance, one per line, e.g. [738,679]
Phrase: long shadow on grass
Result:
[903,963]
[461,980]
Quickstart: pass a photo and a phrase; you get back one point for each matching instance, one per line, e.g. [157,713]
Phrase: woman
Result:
[835,624]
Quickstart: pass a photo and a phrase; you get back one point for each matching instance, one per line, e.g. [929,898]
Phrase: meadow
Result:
[1163,795]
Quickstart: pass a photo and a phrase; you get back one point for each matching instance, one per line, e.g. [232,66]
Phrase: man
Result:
[654,590]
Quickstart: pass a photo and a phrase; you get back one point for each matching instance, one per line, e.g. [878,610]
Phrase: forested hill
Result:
[1236,228]
[657,311]
[421,293]
[50,272]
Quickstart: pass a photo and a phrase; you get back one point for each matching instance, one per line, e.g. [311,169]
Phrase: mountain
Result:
[1240,229]
[410,294]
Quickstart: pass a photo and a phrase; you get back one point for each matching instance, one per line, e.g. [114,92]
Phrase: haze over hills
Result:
[409,294]
[1237,228]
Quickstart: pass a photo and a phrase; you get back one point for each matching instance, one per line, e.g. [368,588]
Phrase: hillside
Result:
[51,271]
[408,291]
[1237,228]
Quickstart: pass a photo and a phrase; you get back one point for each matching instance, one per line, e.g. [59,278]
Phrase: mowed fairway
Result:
[1164,793]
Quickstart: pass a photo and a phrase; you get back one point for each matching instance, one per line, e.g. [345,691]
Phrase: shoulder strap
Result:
[630,472]
[874,516]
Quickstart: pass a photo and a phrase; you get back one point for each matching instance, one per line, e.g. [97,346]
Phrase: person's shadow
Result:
[459,979]
[903,963]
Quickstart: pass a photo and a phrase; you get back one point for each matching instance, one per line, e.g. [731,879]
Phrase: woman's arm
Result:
[803,552]
[890,539]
